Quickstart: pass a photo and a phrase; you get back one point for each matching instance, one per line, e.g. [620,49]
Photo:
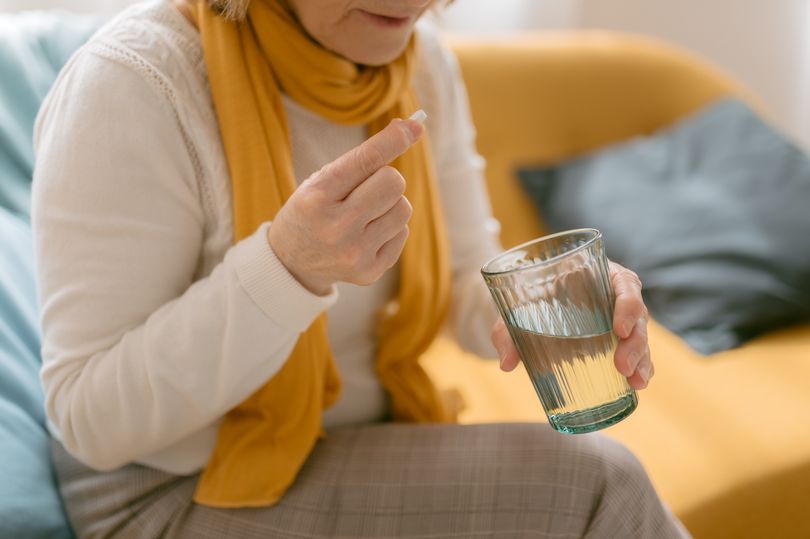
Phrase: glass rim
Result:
[549,261]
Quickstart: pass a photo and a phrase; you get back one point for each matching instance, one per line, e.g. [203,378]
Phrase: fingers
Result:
[389,253]
[503,343]
[641,378]
[632,357]
[344,174]
[629,352]
[387,226]
[629,306]
[377,195]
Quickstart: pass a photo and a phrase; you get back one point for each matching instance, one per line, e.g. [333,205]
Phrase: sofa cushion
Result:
[33,48]
[30,506]
[713,215]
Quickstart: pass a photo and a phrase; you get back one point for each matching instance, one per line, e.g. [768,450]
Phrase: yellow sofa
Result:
[725,438]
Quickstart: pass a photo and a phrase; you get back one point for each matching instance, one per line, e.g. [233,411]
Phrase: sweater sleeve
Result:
[472,229]
[138,351]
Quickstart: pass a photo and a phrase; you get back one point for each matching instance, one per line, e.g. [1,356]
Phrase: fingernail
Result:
[414,130]
[501,358]
[497,342]
[644,372]
[627,328]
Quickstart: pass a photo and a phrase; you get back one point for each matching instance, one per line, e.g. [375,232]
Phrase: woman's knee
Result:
[607,465]
[628,502]
[622,469]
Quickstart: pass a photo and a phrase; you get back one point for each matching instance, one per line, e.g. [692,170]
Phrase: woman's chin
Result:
[374,54]
[378,59]
[373,44]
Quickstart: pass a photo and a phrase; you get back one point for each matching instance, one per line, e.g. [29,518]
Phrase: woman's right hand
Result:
[348,221]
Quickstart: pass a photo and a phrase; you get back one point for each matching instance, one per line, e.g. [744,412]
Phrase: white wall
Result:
[763,43]
[498,17]
[97,6]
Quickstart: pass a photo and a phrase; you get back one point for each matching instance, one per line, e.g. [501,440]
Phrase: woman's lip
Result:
[385,20]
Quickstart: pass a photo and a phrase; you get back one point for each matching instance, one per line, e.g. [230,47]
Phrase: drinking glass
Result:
[555,295]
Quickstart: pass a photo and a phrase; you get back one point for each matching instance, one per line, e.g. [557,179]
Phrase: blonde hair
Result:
[231,9]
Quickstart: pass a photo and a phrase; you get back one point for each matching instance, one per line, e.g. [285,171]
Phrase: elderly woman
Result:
[212,180]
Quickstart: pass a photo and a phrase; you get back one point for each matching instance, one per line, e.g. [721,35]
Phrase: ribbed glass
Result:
[555,295]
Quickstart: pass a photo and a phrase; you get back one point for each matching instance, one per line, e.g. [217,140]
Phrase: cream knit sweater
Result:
[154,323]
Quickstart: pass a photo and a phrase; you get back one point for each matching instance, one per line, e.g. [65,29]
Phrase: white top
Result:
[154,323]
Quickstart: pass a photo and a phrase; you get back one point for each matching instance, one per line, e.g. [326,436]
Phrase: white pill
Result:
[419,116]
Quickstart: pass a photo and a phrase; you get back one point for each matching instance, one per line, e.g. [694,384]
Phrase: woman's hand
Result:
[632,357]
[348,221]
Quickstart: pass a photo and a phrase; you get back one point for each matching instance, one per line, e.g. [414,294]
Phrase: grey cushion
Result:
[713,213]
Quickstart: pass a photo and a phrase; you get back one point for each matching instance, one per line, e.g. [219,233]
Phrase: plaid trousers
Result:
[397,480]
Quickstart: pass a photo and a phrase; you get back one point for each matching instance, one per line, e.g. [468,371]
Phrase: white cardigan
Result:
[154,323]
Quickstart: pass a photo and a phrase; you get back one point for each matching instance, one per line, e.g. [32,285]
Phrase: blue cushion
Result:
[29,501]
[713,215]
[33,48]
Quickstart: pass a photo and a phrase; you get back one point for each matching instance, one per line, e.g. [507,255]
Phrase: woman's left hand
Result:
[632,357]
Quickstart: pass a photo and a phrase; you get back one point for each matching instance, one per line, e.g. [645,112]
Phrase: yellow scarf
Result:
[264,441]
